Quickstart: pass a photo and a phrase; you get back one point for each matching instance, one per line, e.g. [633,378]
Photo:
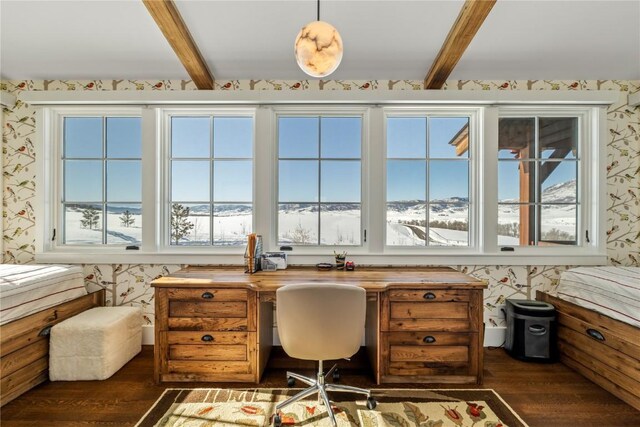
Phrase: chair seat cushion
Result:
[94,344]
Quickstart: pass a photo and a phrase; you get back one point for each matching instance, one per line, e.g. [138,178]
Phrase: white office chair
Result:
[320,322]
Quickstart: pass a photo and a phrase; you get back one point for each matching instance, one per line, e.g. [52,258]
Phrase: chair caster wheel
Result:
[277,421]
[371,403]
[336,376]
[291,382]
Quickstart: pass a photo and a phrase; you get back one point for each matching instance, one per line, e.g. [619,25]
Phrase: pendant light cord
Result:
[318,10]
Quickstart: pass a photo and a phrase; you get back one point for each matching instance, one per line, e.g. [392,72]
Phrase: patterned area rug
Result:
[396,408]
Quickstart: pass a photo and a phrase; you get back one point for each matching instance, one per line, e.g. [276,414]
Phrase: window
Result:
[400,182]
[538,163]
[319,180]
[211,185]
[427,181]
[102,189]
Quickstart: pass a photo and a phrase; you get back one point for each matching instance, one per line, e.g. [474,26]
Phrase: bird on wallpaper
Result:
[634,260]
[613,131]
[612,165]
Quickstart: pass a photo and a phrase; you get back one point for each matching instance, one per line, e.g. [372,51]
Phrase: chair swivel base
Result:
[318,386]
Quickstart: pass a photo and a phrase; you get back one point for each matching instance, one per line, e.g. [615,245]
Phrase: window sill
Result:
[312,259]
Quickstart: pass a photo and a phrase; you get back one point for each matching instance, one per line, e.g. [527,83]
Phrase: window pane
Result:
[407,137]
[448,181]
[232,180]
[448,137]
[190,137]
[190,224]
[124,181]
[406,180]
[516,138]
[510,187]
[298,224]
[124,137]
[83,180]
[124,224]
[340,224]
[82,137]
[341,137]
[514,221]
[190,181]
[231,223]
[340,181]
[298,181]
[298,137]
[558,223]
[558,182]
[82,224]
[233,137]
[406,224]
[448,225]
[558,137]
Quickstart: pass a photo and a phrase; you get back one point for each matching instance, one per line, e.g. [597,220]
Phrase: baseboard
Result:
[493,336]
[148,337]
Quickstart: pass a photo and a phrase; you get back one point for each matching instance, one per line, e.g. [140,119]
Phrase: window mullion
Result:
[151,180]
[486,181]
[376,187]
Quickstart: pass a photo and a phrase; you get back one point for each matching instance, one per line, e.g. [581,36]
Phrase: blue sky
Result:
[298,137]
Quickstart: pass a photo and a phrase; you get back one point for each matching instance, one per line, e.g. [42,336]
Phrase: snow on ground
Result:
[76,234]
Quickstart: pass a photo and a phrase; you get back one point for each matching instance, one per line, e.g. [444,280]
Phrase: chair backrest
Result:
[320,321]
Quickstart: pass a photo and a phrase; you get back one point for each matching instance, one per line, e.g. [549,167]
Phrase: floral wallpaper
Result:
[129,284]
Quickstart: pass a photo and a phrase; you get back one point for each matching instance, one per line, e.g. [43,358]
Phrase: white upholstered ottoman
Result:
[94,344]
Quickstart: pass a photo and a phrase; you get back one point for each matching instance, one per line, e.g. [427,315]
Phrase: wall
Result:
[129,284]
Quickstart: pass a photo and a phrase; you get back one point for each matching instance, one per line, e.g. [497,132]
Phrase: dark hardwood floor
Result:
[543,395]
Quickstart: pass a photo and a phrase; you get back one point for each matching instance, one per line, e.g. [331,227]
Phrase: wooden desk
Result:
[424,325]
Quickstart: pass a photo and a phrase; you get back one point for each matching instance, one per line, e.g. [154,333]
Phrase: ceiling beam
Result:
[166,15]
[470,18]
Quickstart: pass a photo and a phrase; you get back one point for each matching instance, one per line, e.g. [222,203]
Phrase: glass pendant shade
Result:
[318,49]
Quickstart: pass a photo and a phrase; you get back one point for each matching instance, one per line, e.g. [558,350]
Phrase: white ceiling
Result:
[580,39]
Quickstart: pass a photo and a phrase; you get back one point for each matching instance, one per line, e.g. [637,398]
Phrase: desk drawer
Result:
[428,353]
[439,295]
[206,338]
[429,310]
[207,294]
[207,352]
[213,309]
[207,324]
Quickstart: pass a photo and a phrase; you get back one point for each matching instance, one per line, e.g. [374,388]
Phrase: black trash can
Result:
[531,331]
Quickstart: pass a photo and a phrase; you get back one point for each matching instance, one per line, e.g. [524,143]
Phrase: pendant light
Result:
[318,48]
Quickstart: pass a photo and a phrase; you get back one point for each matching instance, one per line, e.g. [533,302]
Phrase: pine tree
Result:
[127,219]
[180,224]
[90,218]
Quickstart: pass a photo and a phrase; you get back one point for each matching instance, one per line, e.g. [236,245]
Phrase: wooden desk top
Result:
[372,279]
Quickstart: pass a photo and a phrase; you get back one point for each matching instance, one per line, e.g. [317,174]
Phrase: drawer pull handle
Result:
[207,295]
[429,295]
[207,338]
[595,334]
[429,339]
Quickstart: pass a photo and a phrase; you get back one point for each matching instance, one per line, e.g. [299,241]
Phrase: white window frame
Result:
[591,181]
[51,180]
[324,111]
[474,162]
[488,106]
[163,236]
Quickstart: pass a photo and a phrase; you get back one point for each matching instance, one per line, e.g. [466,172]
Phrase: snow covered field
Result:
[339,223]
